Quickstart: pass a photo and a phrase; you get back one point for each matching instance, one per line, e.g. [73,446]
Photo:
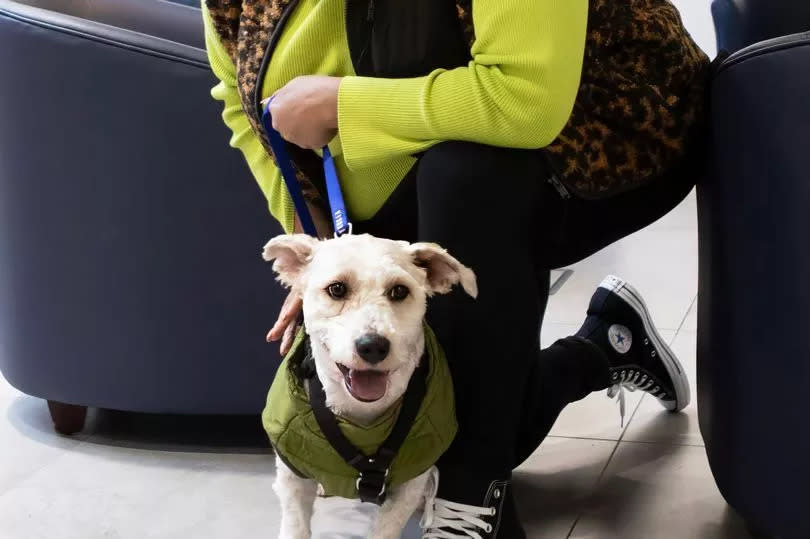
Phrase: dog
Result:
[364,303]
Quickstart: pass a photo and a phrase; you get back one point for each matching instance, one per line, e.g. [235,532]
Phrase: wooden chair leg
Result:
[67,418]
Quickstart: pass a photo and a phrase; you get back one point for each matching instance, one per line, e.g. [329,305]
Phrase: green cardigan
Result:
[296,436]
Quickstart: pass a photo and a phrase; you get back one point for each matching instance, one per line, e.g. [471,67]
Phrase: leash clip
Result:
[347,231]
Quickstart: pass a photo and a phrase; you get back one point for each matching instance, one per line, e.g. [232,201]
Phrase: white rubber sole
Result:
[624,290]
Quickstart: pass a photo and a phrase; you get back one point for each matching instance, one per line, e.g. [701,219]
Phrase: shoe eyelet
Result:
[488,528]
[497,493]
[653,353]
[492,511]
[646,341]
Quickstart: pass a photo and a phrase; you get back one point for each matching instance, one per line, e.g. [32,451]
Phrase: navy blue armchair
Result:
[754,299]
[130,233]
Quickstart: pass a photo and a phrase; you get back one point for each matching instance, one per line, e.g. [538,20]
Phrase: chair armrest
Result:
[163,27]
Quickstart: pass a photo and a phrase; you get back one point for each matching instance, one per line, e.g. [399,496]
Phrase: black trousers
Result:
[495,211]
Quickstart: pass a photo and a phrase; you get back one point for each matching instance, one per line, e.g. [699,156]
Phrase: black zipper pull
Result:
[370,12]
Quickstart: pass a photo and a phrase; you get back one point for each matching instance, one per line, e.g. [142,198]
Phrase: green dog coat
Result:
[297,438]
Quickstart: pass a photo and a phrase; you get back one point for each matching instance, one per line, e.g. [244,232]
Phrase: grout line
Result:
[605,467]
[685,316]
[587,438]
[583,438]
[670,444]
[593,489]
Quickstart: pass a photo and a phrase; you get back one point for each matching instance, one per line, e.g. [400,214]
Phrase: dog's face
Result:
[364,303]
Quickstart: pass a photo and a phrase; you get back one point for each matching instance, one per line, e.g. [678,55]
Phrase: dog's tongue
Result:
[368,385]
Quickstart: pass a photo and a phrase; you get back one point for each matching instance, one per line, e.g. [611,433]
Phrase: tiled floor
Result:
[136,477]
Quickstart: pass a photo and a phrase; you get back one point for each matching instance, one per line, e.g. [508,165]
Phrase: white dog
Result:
[364,301]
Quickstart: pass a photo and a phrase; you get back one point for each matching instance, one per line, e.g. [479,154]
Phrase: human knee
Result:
[477,171]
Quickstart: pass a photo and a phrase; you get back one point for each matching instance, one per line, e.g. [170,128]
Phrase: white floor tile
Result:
[96,491]
[661,263]
[658,491]
[596,416]
[651,423]
[552,487]
[27,439]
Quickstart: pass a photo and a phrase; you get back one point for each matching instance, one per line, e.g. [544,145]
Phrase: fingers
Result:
[289,337]
[288,315]
[277,331]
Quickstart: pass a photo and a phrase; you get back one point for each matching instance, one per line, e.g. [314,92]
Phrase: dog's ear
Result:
[291,253]
[443,271]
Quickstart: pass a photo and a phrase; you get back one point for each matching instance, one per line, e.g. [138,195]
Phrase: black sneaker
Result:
[620,325]
[489,514]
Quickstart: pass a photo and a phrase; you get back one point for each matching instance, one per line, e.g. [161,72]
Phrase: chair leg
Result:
[67,418]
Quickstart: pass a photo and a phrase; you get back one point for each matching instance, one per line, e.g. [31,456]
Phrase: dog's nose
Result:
[372,347]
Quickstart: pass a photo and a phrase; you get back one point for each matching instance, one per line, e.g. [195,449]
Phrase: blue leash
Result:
[340,218]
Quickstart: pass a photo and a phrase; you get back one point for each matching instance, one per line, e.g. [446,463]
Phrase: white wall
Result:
[698,20]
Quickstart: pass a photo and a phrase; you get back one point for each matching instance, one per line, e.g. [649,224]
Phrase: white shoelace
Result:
[442,516]
[630,382]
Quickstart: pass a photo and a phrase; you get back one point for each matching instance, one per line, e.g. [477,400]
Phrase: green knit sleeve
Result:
[243,137]
[518,91]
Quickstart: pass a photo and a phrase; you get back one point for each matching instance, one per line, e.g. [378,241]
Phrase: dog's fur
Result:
[369,267]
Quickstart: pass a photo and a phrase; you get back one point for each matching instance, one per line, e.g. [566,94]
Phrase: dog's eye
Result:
[337,290]
[398,292]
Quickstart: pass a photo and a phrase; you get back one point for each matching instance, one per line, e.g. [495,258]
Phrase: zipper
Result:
[558,185]
[268,53]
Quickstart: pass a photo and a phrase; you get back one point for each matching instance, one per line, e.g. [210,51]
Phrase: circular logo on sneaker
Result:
[621,339]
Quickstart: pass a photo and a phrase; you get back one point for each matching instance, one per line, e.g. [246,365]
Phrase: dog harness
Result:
[361,461]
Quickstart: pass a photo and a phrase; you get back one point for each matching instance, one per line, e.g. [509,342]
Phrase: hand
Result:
[305,111]
[286,326]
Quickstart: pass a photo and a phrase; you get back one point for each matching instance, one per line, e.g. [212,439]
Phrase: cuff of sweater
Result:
[380,117]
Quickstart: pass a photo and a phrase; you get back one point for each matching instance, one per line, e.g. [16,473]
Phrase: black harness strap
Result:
[373,469]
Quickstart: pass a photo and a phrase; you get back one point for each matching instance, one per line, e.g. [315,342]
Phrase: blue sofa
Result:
[130,233]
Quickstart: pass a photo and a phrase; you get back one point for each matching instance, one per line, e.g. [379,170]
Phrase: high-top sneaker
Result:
[620,325]
[465,508]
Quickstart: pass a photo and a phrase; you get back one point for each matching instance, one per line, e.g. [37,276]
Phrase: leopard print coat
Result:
[640,102]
